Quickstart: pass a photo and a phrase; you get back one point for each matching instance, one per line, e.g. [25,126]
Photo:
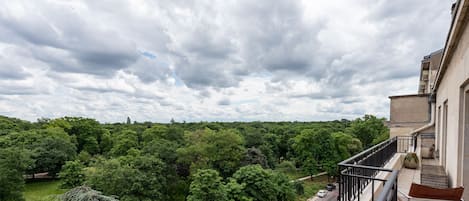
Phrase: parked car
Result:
[330,187]
[322,193]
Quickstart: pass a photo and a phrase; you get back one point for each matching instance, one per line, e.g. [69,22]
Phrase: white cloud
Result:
[213,60]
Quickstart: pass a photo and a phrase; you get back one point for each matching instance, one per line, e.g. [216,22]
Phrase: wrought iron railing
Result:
[359,171]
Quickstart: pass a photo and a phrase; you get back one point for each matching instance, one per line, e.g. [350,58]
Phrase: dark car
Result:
[330,187]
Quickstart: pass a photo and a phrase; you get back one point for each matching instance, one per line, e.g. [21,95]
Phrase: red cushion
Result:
[421,191]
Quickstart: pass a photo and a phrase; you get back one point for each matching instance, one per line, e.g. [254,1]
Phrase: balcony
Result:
[373,174]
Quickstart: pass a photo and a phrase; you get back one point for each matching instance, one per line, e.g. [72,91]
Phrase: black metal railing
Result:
[357,172]
[390,188]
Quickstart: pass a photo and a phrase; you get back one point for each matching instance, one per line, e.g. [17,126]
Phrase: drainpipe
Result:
[431,110]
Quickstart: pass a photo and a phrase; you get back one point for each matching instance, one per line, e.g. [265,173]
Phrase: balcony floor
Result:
[406,178]
[429,168]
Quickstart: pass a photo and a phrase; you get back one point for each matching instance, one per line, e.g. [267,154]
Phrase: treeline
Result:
[178,161]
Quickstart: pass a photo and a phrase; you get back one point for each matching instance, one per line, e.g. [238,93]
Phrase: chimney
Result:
[453,8]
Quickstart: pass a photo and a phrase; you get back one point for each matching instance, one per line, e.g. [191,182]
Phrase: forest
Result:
[203,161]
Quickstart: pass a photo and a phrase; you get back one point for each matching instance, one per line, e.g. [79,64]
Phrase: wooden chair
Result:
[421,192]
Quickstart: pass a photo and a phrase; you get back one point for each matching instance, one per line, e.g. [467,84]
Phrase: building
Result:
[434,123]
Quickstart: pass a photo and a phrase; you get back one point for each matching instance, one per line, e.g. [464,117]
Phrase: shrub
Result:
[72,174]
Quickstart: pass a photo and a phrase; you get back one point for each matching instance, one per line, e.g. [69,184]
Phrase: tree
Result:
[128,120]
[222,150]
[106,142]
[13,163]
[163,149]
[310,166]
[367,129]
[84,157]
[299,187]
[264,185]
[285,190]
[286,167]
[51,152]
[88,133]
[8,125]
[83,193]
[50,148]
[236,191]
[313,148]
[207,186]
[124,141]
[254,137]
[155,132]
[72,174]
[132,178]
[255,156]
[346,145]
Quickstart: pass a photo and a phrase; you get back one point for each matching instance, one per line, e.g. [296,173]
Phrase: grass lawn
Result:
[39,191]
[312,187]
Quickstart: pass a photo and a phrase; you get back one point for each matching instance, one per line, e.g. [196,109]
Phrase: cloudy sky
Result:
[213,60]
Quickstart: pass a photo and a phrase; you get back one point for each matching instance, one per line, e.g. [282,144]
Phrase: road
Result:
[331,196]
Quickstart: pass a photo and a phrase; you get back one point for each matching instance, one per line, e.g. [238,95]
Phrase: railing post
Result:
[359,171]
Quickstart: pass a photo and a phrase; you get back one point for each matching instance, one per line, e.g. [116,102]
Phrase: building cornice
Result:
[410,95]
[459,22]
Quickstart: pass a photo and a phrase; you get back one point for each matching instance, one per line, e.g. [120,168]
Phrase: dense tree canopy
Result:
[237,161]
[72,174]
[221,150]
[207,185]
[131,178]
[13,162]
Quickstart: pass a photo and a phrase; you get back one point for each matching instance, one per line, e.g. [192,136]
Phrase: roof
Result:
[409,95]
[459,22]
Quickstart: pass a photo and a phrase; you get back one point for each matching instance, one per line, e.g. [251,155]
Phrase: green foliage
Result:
[52,151]
[8,125]
[50,148]
[72,174]
[13,162]
[264,185]
[207,186]
[123,142]
[88,133]
[367,129]
[314,148]
[106,142]
[286,167]
[84,157]
[382,137]
[163,149]
[132,178]
[83,193]
[346,145]
[136,161]
[222,150]
[155,132]
[236,191]
[299,187]
[255,156]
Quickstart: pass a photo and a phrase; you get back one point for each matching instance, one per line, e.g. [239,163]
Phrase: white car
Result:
[322,193]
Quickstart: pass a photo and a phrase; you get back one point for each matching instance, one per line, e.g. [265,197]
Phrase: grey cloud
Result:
[150,69]
[11,72]
[257,36]
[82,46]
[212,45]
[21,89]
[224,101]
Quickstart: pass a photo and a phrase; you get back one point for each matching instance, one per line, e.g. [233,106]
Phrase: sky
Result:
[213,60]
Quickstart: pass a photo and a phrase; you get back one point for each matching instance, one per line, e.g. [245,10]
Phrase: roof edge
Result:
[458,23]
